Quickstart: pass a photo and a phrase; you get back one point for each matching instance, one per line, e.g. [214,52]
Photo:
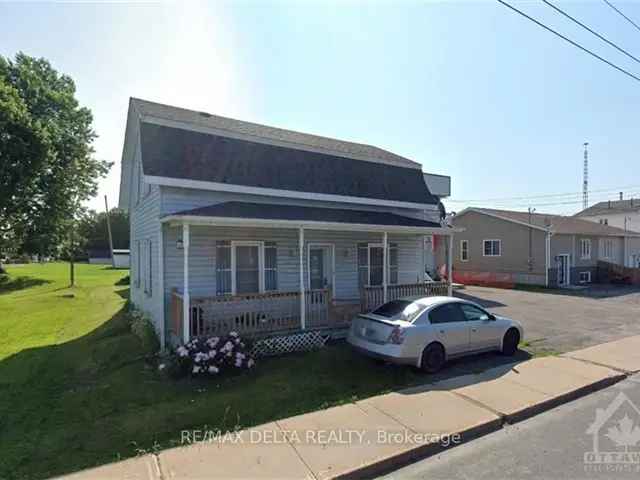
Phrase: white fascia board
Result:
[312,225]
[506,219]
[226,187]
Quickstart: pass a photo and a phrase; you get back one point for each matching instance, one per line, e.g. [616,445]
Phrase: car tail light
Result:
[396,336]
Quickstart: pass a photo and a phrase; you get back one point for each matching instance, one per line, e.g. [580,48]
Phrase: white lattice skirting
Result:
[289,343]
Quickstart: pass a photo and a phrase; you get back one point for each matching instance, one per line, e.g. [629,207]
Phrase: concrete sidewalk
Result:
[377,434]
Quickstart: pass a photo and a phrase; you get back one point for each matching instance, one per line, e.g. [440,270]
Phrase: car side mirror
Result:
[492,317]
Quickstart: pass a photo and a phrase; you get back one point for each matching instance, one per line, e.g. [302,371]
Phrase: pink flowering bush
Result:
[213,355]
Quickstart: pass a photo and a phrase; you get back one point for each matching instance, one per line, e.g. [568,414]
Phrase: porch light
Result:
[179,244]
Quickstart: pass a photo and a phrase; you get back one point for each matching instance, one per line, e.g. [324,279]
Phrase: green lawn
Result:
[75,392]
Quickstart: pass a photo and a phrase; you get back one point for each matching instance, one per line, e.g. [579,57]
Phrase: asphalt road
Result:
[551,445]
[561,321]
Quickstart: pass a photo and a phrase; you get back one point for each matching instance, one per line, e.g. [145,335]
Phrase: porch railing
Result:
[372,297]
[253,315]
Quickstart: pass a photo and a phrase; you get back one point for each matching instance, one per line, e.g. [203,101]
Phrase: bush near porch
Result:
[76,389]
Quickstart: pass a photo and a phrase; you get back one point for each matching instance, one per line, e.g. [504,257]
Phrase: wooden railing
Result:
[372,297]
[252,315]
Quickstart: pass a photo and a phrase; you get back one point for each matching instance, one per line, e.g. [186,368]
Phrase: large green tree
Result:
[92,232]
[47,163]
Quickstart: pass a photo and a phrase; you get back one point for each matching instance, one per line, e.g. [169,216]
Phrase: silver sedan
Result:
[428,331]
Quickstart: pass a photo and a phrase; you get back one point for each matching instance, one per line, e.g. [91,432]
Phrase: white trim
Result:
[332,246]
[303,310]
[547,255]
[462,249]
[161,287]
[314,225]
[385,256]
[186,298]
[492,240]
[226,187]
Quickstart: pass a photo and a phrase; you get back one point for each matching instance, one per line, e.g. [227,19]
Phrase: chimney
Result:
[620,195]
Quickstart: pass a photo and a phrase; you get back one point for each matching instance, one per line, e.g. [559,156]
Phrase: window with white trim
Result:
[585,248]
[585,277]
[148,277]
[606,248]
[244,267]
[138,254]
[492,248]
[464,250]
[370,260]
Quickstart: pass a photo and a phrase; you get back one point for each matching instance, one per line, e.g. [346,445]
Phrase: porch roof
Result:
[308,217]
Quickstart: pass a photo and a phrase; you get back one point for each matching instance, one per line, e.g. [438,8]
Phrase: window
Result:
[585,277]
[148,287]
[370,259]
[473,313]
[464,250]
[270,266]
[585,249]
[606,248]
[604,221]
[447,313]
[492,248]
[246,267]
[138,255]
[399,310]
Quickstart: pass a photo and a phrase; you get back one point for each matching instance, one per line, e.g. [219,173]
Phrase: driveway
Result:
[558,320]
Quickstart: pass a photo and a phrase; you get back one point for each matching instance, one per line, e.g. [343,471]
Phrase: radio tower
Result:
[585,178]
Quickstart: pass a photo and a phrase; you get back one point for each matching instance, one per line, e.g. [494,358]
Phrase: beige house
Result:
[508,247]
[624,214]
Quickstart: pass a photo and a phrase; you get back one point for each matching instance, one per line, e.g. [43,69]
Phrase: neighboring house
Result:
[239,226]
[121,258]
[624,214]
[501,246]
[100,256]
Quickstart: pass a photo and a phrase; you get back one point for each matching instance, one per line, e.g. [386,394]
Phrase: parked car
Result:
[427,331]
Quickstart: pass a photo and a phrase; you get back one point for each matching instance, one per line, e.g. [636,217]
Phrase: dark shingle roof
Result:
[302,214]
[560,224]
[187,154]
[608,207]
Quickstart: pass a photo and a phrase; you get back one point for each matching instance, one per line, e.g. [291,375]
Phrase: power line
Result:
[625,17]
[612,190]
[562,12]
[575,44]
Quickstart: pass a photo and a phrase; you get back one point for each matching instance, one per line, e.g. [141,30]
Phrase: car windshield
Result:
[399,310]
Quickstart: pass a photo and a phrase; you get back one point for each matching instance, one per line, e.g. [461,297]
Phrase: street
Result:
[551,445]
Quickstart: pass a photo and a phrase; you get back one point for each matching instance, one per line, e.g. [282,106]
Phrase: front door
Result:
[563,270]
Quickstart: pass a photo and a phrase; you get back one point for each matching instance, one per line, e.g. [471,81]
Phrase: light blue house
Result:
[239,226]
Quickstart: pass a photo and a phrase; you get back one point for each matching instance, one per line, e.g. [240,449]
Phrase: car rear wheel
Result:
[510,342]
[433,358]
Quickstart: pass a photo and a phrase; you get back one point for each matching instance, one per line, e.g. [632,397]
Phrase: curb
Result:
[421,452]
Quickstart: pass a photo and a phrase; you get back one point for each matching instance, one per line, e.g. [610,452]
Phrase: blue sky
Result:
[469,89]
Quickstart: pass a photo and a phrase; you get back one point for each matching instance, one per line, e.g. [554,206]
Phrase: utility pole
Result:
[106,206]
[585,178]
[530,261]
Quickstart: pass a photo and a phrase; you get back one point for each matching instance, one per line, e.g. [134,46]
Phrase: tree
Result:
[47,168]
[92,230]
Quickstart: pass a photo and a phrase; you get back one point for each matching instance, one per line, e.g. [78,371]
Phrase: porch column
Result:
[384,266]
[302,302]
[186,297]
[450,266]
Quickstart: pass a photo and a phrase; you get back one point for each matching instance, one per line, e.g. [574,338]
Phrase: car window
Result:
[399,309]
[473,313]
[448,313]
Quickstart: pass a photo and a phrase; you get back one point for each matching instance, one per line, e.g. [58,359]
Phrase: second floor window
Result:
[585,249]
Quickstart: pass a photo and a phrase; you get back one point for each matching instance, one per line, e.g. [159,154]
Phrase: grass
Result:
[75,393]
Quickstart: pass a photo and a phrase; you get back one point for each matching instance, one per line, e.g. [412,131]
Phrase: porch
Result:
[263,277]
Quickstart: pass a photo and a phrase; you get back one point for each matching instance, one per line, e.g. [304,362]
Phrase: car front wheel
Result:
[510,342]
[433,358]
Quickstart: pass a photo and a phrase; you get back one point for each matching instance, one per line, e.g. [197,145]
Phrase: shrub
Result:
[142,328]
[213,355]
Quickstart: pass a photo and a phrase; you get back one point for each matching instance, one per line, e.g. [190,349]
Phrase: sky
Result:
[466,88]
